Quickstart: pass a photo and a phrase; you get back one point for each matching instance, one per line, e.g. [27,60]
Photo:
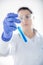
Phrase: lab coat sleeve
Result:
[4,47]
[4,50]
[8,48]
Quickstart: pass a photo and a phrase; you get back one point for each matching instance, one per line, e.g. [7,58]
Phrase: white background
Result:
[7,6]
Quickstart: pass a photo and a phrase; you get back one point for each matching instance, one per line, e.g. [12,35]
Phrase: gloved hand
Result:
[9,26]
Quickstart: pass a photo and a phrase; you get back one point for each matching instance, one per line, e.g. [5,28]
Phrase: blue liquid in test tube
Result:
[22,34]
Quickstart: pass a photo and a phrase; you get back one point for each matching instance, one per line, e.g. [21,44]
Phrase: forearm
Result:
[4,48]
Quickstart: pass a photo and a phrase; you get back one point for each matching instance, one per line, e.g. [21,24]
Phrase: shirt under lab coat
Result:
[30,53]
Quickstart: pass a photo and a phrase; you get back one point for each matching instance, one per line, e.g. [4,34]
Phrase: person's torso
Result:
[30,53]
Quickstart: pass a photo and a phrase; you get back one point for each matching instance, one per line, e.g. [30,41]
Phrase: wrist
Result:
[6,37]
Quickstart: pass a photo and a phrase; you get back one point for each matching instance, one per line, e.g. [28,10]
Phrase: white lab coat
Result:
[30,53]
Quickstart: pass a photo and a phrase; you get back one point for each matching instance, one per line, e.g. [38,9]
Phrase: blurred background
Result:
[7,6]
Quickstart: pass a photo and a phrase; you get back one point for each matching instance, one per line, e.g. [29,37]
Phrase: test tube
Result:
[22,34]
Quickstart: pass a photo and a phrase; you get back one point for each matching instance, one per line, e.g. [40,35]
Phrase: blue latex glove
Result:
[9,26]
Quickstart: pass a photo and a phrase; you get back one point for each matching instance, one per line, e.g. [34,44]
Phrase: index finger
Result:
[12,15]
